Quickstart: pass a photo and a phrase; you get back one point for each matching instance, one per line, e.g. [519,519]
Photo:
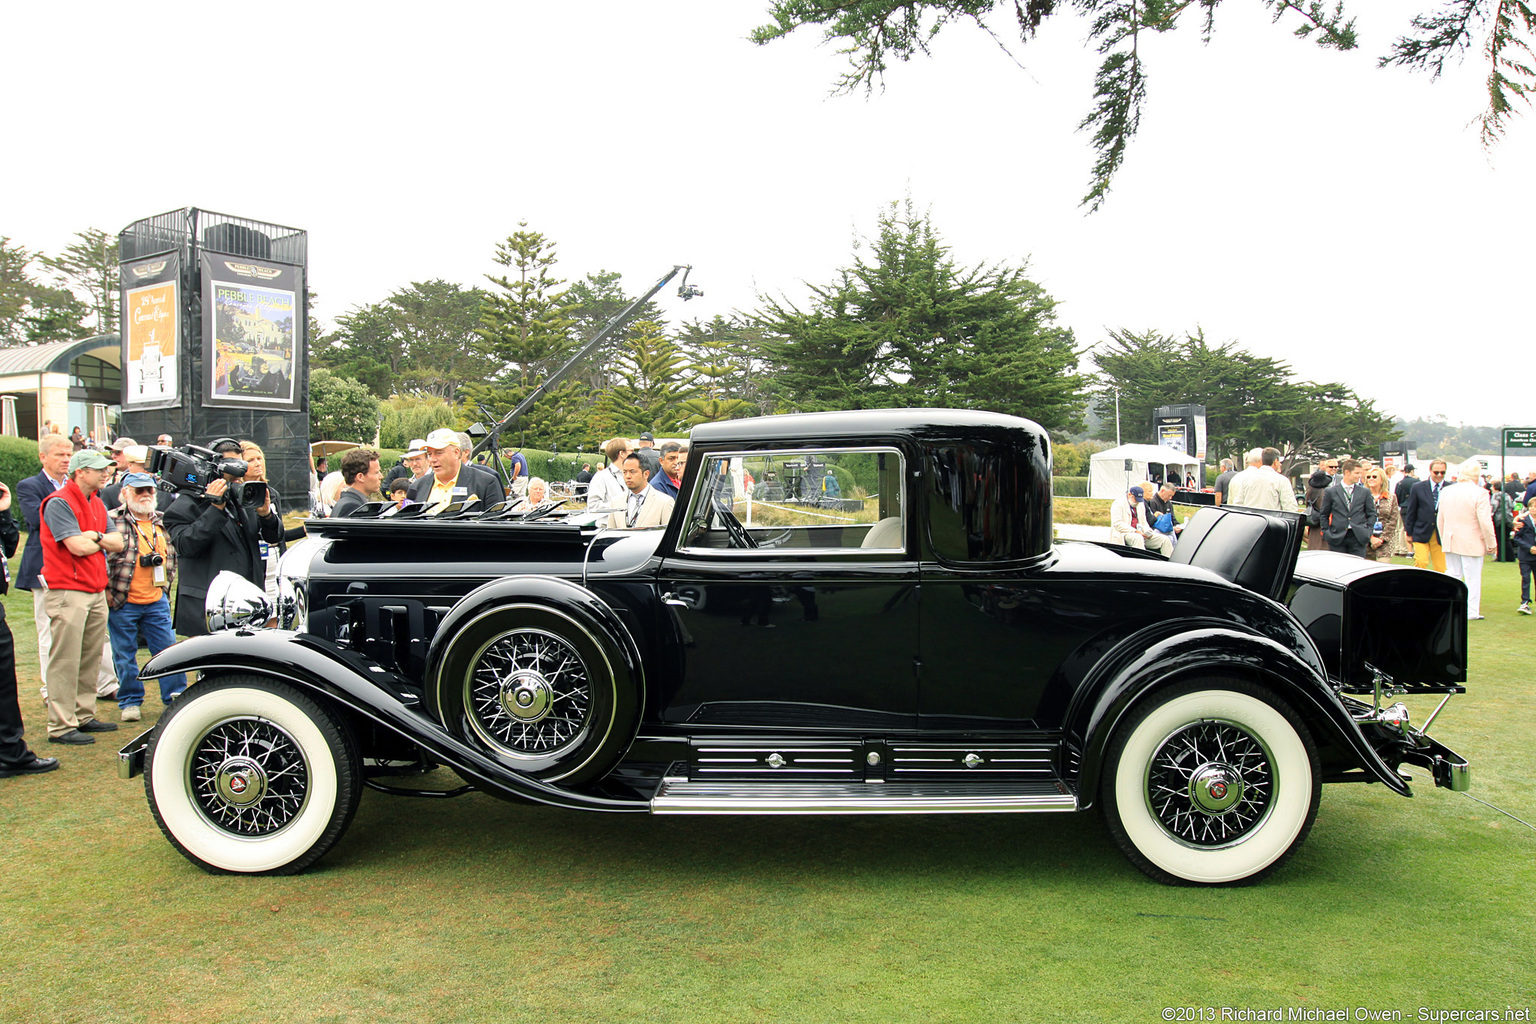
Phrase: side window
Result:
[815,500]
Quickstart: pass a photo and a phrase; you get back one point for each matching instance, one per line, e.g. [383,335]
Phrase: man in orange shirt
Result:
[139,579]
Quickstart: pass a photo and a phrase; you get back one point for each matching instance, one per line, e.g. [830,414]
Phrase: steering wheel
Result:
[740,538]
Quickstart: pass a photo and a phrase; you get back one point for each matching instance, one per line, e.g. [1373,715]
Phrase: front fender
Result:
[1217,651]
[370,691]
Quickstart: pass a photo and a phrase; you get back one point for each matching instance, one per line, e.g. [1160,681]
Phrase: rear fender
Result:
[1218,651]
[369,691]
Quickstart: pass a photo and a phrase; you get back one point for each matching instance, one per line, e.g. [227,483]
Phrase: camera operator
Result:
[212,530]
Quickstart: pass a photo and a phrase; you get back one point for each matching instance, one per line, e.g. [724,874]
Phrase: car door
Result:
[800,612]
[997,625]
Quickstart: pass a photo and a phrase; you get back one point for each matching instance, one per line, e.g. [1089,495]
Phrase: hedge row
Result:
[18,460]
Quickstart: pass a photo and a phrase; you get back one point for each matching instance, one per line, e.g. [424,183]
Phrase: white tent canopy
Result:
[1108,477]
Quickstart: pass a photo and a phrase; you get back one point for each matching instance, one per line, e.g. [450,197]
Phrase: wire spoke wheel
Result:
[1210,783]
[248,777]
[247,774]
[529,693]
[541,675]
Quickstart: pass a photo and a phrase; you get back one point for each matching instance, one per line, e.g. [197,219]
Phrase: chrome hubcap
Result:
[1210,783]
[527,696]
[1215,788]
[528,693]
[248,777]
[240,781]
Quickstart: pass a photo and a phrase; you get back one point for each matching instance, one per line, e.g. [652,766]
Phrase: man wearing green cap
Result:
[75,539]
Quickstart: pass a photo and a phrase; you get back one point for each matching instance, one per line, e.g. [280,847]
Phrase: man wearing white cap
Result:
[447,484]
[118,451]
[135,460]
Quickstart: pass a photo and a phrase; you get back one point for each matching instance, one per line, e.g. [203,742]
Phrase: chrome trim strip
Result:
[781,748]
[858,798]
[786,770]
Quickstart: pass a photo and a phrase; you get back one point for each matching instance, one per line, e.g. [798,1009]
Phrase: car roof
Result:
[859,424]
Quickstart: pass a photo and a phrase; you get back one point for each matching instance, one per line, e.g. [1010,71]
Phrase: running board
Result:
[680,796]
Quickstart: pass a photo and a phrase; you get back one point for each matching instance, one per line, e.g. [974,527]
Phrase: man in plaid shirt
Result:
[139,579]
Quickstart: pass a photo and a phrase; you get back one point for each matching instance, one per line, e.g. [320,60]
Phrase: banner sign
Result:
[250,332]
[1182,427]
[1520,438]
[151,305]
[1172,435]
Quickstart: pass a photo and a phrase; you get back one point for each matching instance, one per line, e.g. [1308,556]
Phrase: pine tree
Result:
[527,325]
[652,383]
[717,357]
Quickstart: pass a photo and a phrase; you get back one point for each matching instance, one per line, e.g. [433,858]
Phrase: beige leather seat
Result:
[884,534]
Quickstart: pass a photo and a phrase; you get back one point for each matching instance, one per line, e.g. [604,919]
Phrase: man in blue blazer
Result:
[1419,519]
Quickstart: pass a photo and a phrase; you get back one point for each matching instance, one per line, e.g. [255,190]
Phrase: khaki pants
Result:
[1426,554]
[106,676]
[77,622]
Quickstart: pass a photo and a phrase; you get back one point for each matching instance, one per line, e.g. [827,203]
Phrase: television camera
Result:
[190,468]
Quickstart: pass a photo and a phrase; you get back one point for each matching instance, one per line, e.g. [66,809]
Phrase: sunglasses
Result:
[1437,472]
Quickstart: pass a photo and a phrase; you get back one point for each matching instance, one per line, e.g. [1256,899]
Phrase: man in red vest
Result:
[75,539]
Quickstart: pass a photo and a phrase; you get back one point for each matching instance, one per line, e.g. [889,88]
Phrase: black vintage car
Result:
[915,645]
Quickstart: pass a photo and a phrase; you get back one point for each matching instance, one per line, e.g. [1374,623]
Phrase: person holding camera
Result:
[139,579]
[213,530]
[75,538]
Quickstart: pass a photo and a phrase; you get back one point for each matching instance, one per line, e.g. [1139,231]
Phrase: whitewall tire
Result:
[249,775]
[1212,782]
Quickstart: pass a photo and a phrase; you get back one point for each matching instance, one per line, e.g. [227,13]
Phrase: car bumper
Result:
[130,759]
[1450,769]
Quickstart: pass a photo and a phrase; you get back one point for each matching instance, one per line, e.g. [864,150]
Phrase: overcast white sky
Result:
[1299,202]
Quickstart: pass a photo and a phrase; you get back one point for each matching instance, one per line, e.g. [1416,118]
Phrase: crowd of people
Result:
[1449,522]
[106,543]
[636,487]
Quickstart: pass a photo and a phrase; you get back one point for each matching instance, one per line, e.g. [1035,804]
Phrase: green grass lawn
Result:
[478,910]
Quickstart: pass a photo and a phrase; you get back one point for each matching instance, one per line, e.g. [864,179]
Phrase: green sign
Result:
[1521,438]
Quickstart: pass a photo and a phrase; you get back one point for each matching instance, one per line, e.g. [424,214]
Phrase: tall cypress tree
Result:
[90,264]
[908,327]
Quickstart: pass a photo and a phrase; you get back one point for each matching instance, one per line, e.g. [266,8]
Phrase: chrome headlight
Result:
[292,604]
[234,602]
[293,582]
